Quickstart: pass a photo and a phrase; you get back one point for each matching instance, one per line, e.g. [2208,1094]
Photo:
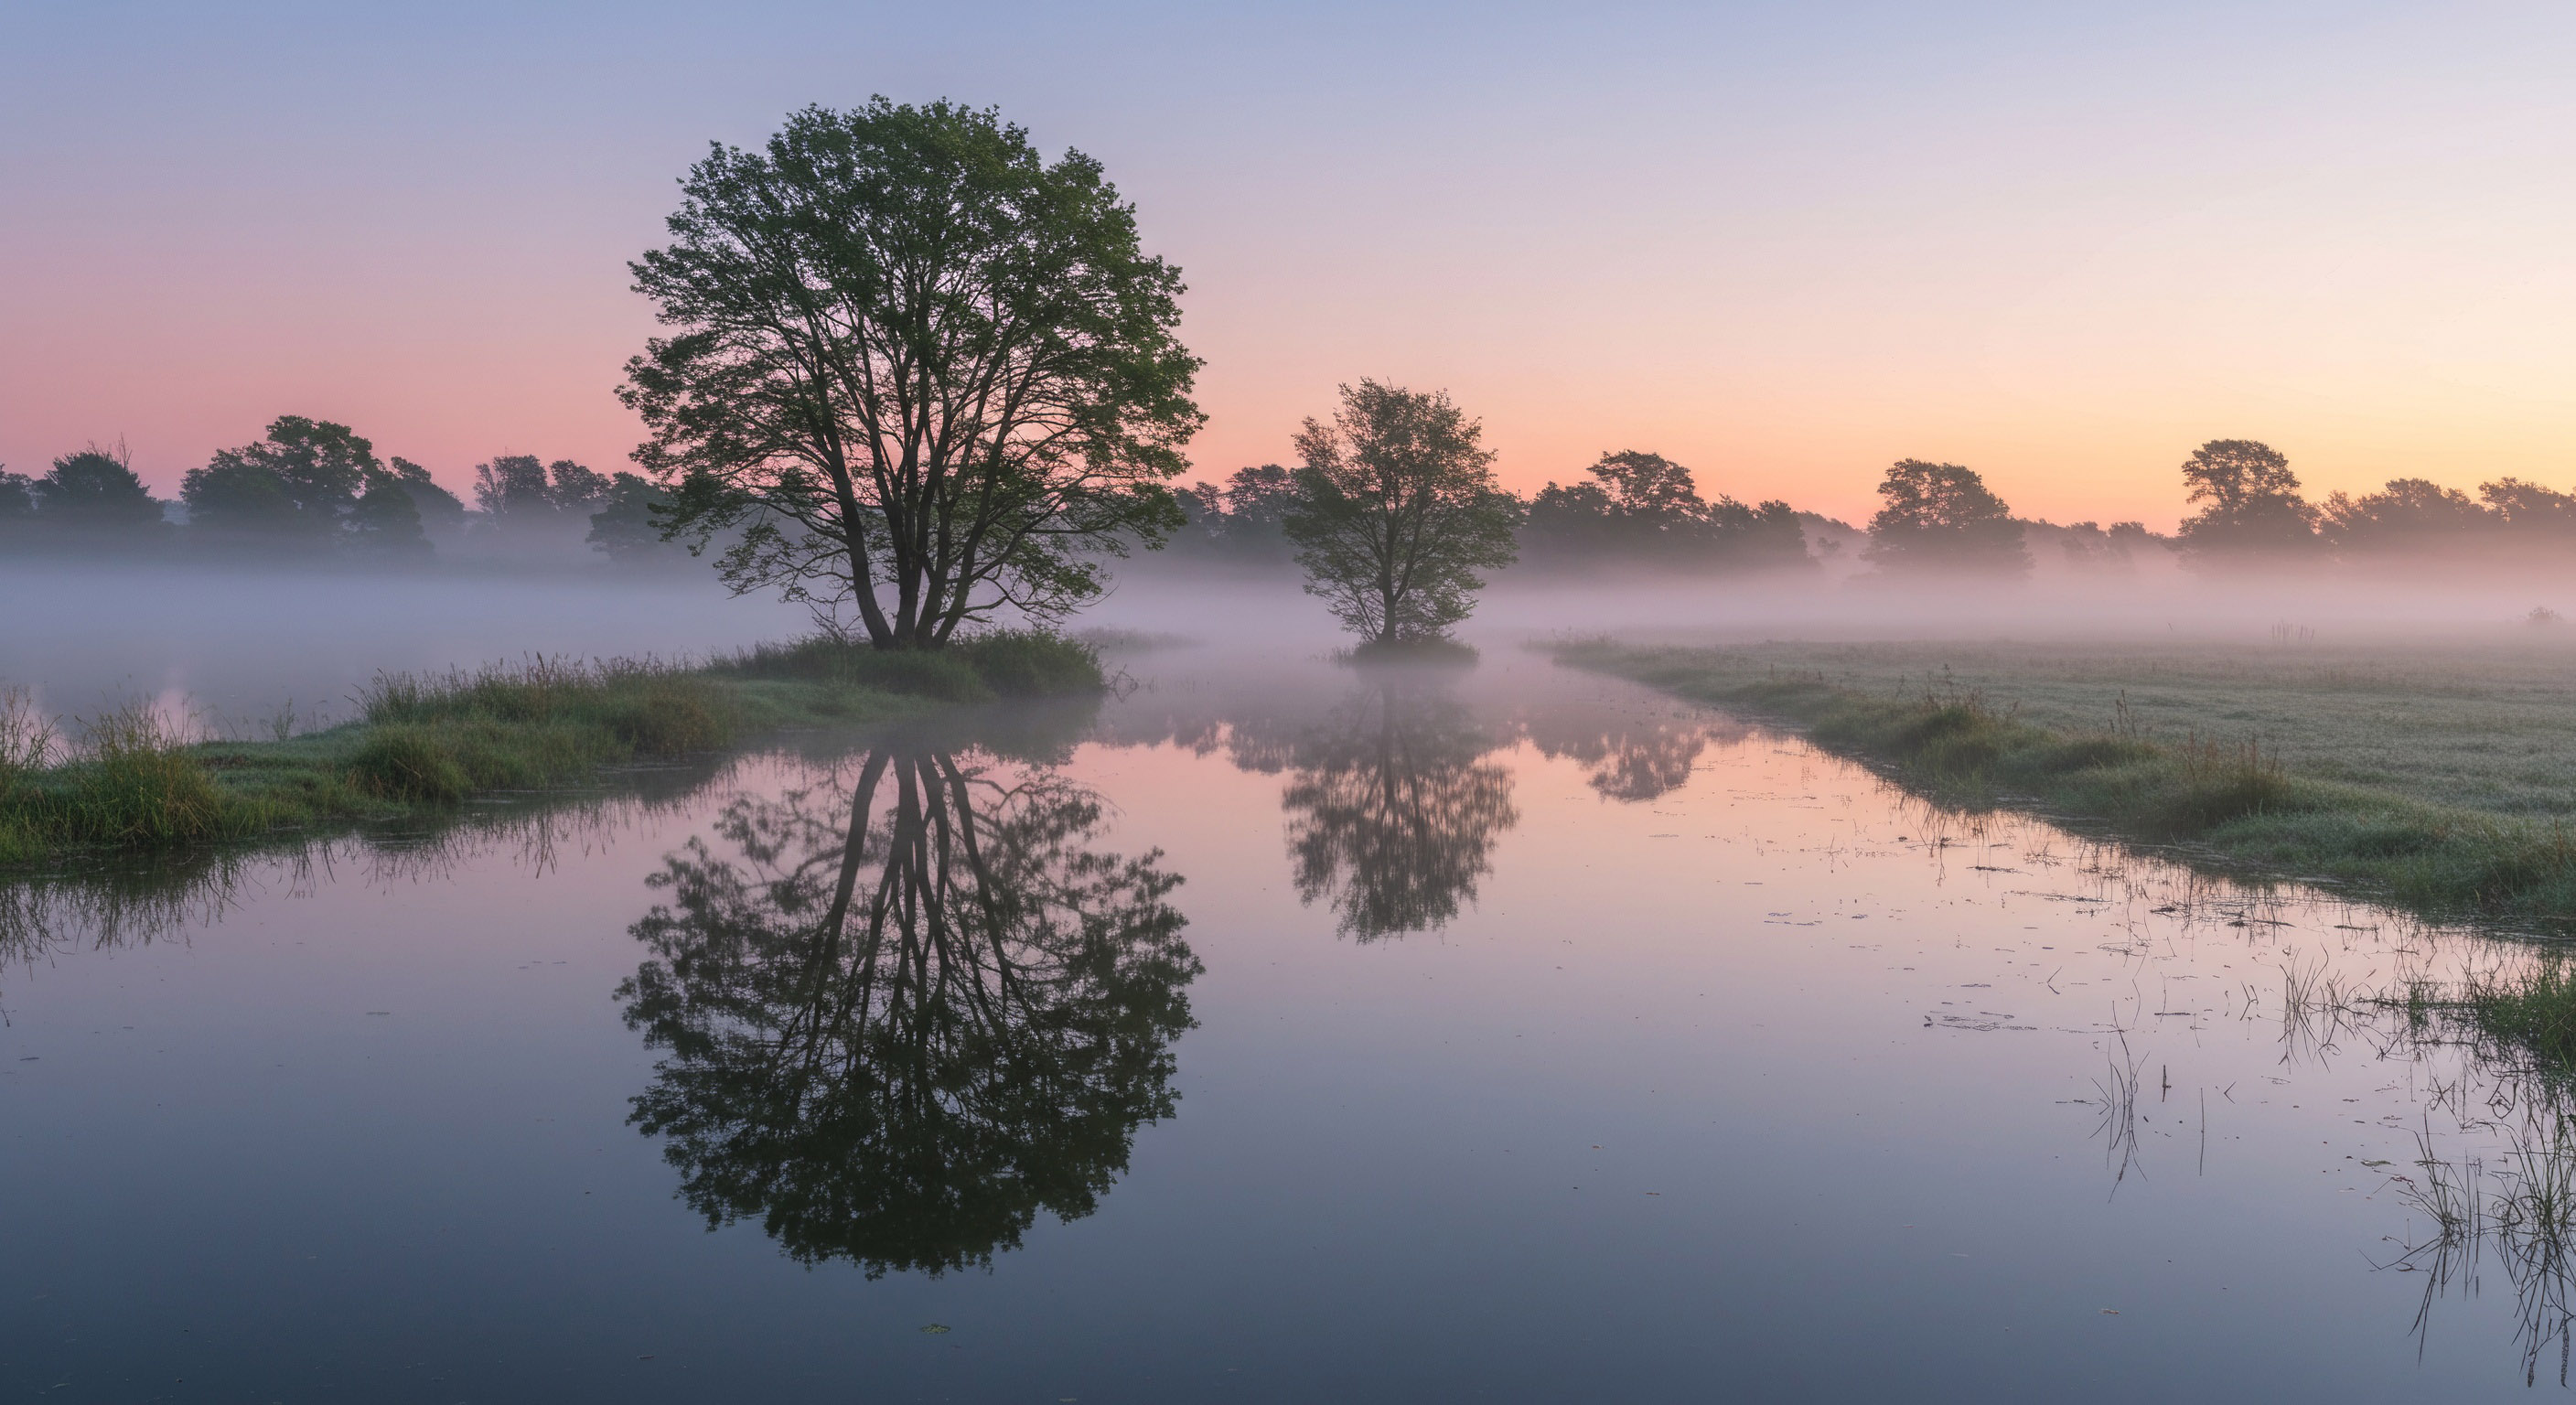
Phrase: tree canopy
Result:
[1941,518]
[95,490]
[924,373]
[1396,512]
[1643,509]
[2250,503]
[312,485]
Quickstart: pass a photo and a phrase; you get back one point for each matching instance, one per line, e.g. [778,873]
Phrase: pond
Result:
[1273,1031]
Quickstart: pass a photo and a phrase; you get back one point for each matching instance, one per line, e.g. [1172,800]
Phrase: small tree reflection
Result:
[1631,758]
[1393,809]
[895,1038]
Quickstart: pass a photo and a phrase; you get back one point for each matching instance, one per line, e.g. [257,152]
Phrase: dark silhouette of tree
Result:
[95,491]
[1243,519]
[627,528]
[526,501]
[17,497]
[1644,509]
[924,373]
[441,513]
[1396,511]
[1393,809]
[897,1030]
[2409,516]
[312,486]
[298,483]
[1941,518]
[2250,505]
[384,523]
[2088,547]
[2530,507]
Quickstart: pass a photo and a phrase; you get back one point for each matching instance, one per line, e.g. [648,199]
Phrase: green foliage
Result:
[1941,518]
[914,370]
[1002,663]
[425,742]
[406,761]
[1396,511]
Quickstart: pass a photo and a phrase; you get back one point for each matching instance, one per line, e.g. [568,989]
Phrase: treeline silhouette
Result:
[315,491]
[1642,511]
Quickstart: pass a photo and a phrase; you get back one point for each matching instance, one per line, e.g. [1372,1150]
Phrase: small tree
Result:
[1396,511]
[96,490]
[2250,503]
[1941,518]
[925,373]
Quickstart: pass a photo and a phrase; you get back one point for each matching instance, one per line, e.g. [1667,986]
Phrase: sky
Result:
[1784,245]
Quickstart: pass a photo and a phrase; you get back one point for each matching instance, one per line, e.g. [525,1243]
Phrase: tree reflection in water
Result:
[1631,757]
[903,1019]
[1393,808]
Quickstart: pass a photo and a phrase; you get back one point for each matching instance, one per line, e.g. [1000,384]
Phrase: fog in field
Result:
[238,644]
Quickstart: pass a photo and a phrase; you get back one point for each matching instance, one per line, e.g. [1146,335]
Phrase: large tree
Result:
[2250,503]
[1396,511]
[926,374]
[1942,518]
[300,483]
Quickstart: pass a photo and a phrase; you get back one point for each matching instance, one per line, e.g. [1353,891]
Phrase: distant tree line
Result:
[1639,510]
[315,491]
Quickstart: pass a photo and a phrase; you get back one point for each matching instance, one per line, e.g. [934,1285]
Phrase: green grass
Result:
[2254,799]
[2483,721]
[425,744]
[2532,1013]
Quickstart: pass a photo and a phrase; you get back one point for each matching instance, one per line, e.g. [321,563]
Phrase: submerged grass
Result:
[135,779]
[2232,800]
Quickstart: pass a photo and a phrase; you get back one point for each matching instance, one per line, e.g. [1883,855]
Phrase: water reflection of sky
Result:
[1510,1034]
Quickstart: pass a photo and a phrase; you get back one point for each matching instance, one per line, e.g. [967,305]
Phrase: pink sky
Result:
[1782,249]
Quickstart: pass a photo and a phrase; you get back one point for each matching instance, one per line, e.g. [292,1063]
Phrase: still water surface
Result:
[1273,1032]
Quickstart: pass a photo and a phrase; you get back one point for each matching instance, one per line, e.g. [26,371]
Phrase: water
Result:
[1274,1032]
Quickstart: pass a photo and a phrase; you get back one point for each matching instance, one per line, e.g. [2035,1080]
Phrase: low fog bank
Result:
[238,645]
[2062,599]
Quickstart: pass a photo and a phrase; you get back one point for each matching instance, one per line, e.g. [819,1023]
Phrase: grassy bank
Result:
[133,779]
[2227,792]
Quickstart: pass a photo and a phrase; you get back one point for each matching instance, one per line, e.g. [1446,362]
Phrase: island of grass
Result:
[2439,778]
[427,744]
